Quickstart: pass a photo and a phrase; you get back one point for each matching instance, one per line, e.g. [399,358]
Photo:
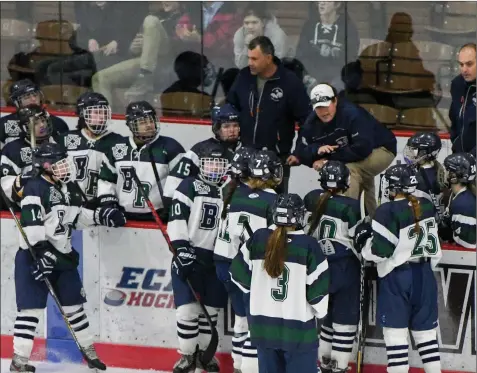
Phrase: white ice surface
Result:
[42,367]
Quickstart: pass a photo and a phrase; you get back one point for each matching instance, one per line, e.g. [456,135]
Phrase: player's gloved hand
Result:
[109,200]
[43,266]
[445,227]
[109,217]
[20,182]
[184,262]
[361,234]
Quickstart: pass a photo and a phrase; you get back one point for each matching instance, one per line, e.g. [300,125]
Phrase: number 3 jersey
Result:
[116,176]
[395,240]
[194,217]
[283,309]
[49,212]
[247,204]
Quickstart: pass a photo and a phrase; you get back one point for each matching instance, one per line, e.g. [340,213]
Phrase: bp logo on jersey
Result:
[12,128]
[25,155]
[277,94]
[120,151]
[72,141]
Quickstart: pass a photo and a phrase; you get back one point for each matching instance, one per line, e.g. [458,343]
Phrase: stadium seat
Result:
[372,56]
[186,104]
[385,114]
[454,18]
[419,119]
[62,97]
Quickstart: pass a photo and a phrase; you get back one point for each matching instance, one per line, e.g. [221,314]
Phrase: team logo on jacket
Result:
[120,151]
[25,155]
[342,141]
[72,141]
[12,128]
[201,188]
[277,94]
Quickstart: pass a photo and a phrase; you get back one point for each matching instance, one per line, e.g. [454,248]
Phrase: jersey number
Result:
[82,172]
[280,294]
[62,228]
[327,229]
[224,234]
[184,169]
[426,241]
[129,186]
[209,219]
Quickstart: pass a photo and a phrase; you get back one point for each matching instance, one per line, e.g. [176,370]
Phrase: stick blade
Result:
[211,349]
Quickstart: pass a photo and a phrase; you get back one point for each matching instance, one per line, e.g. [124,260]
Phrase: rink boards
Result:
[126,274]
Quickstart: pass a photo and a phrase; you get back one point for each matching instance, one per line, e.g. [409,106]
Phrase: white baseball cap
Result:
[321,95]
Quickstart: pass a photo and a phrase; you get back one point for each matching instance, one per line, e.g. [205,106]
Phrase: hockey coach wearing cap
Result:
[270,100]
[339,130]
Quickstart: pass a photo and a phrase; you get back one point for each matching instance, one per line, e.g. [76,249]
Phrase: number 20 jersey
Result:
[395,240]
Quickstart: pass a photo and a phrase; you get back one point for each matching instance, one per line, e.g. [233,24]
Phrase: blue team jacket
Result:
[355,131]
[462,115]
[268,119]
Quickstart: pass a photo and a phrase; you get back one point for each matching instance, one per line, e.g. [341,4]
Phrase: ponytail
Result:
[275,252]
[416,211]
[320,210]
[255,183]
[228,198]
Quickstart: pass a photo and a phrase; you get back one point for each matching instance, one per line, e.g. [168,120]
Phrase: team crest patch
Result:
[55,195]
[72,141]
[120,151]
[25,155]
[201,188]
[277,94]
[12,128]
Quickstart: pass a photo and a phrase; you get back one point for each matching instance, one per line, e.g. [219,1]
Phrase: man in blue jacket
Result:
[462,111]
[270,100]
[339,130]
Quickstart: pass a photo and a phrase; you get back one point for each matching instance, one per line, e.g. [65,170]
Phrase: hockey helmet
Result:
[400,178]
[35,115]
[213,163]
[460,168]
[422,146]
[94,112]
[53,159]
[142,120]
[239,163]
[334,175]
[289,210]
[265,165]
[25,92]
[225,123]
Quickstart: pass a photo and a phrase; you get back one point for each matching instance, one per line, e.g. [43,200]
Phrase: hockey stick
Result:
[362,308]
[46,280]
[211,349]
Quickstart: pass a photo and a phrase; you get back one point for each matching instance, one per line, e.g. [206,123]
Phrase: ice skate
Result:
[186,364]
[94,362]
[212,366]
[20,364]
[326,366]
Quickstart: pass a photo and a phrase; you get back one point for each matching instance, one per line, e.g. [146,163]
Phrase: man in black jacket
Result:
[270,100]
[339,130]
[462,112]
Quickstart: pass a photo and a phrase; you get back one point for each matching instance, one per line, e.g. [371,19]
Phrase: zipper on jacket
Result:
[462,116]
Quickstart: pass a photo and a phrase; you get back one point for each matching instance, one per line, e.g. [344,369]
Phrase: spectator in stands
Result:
[210,31]
[462,111]
[329,39]
[256,22]
[339,130]
[270,99]
[148,48]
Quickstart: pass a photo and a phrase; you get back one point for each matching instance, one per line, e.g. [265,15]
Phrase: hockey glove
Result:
[184,262]
[109,200]
[445,228]
[362,232]
[17,189]
[44,265]
[109,217]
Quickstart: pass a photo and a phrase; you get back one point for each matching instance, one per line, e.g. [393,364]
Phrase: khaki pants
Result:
[155,44]
[363,174]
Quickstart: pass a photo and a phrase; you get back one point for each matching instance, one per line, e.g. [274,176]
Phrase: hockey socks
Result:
[426,343]
[336,346]
[238,339]
[397,349]
[24,332]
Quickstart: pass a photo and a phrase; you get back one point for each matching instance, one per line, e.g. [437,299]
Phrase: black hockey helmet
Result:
[460,168]
[289,210]
[25,90]
[53,159]
[334,175]
[295,66]
[225,117]
[94,112]
[422,146]
[265,165]
[40,118]
[213,163]
[141,118]
[400,178]
[239,163]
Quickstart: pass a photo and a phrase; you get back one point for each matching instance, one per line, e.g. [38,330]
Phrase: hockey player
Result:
[193,228]
[459,218]
[50,209]
[402,239]
[285,276]
[226,129]
[146,152]
[88,143]
[249,200]
[421,151]
[16,160]
[333,221]
[23,93]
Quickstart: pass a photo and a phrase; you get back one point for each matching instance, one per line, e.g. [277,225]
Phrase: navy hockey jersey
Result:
[194,217]
[395,240]
[10,130]
[49,212]
[283,309]
[247,204]
[422,189]
[116,178]
[462,213]
[189,165]
[336,228]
